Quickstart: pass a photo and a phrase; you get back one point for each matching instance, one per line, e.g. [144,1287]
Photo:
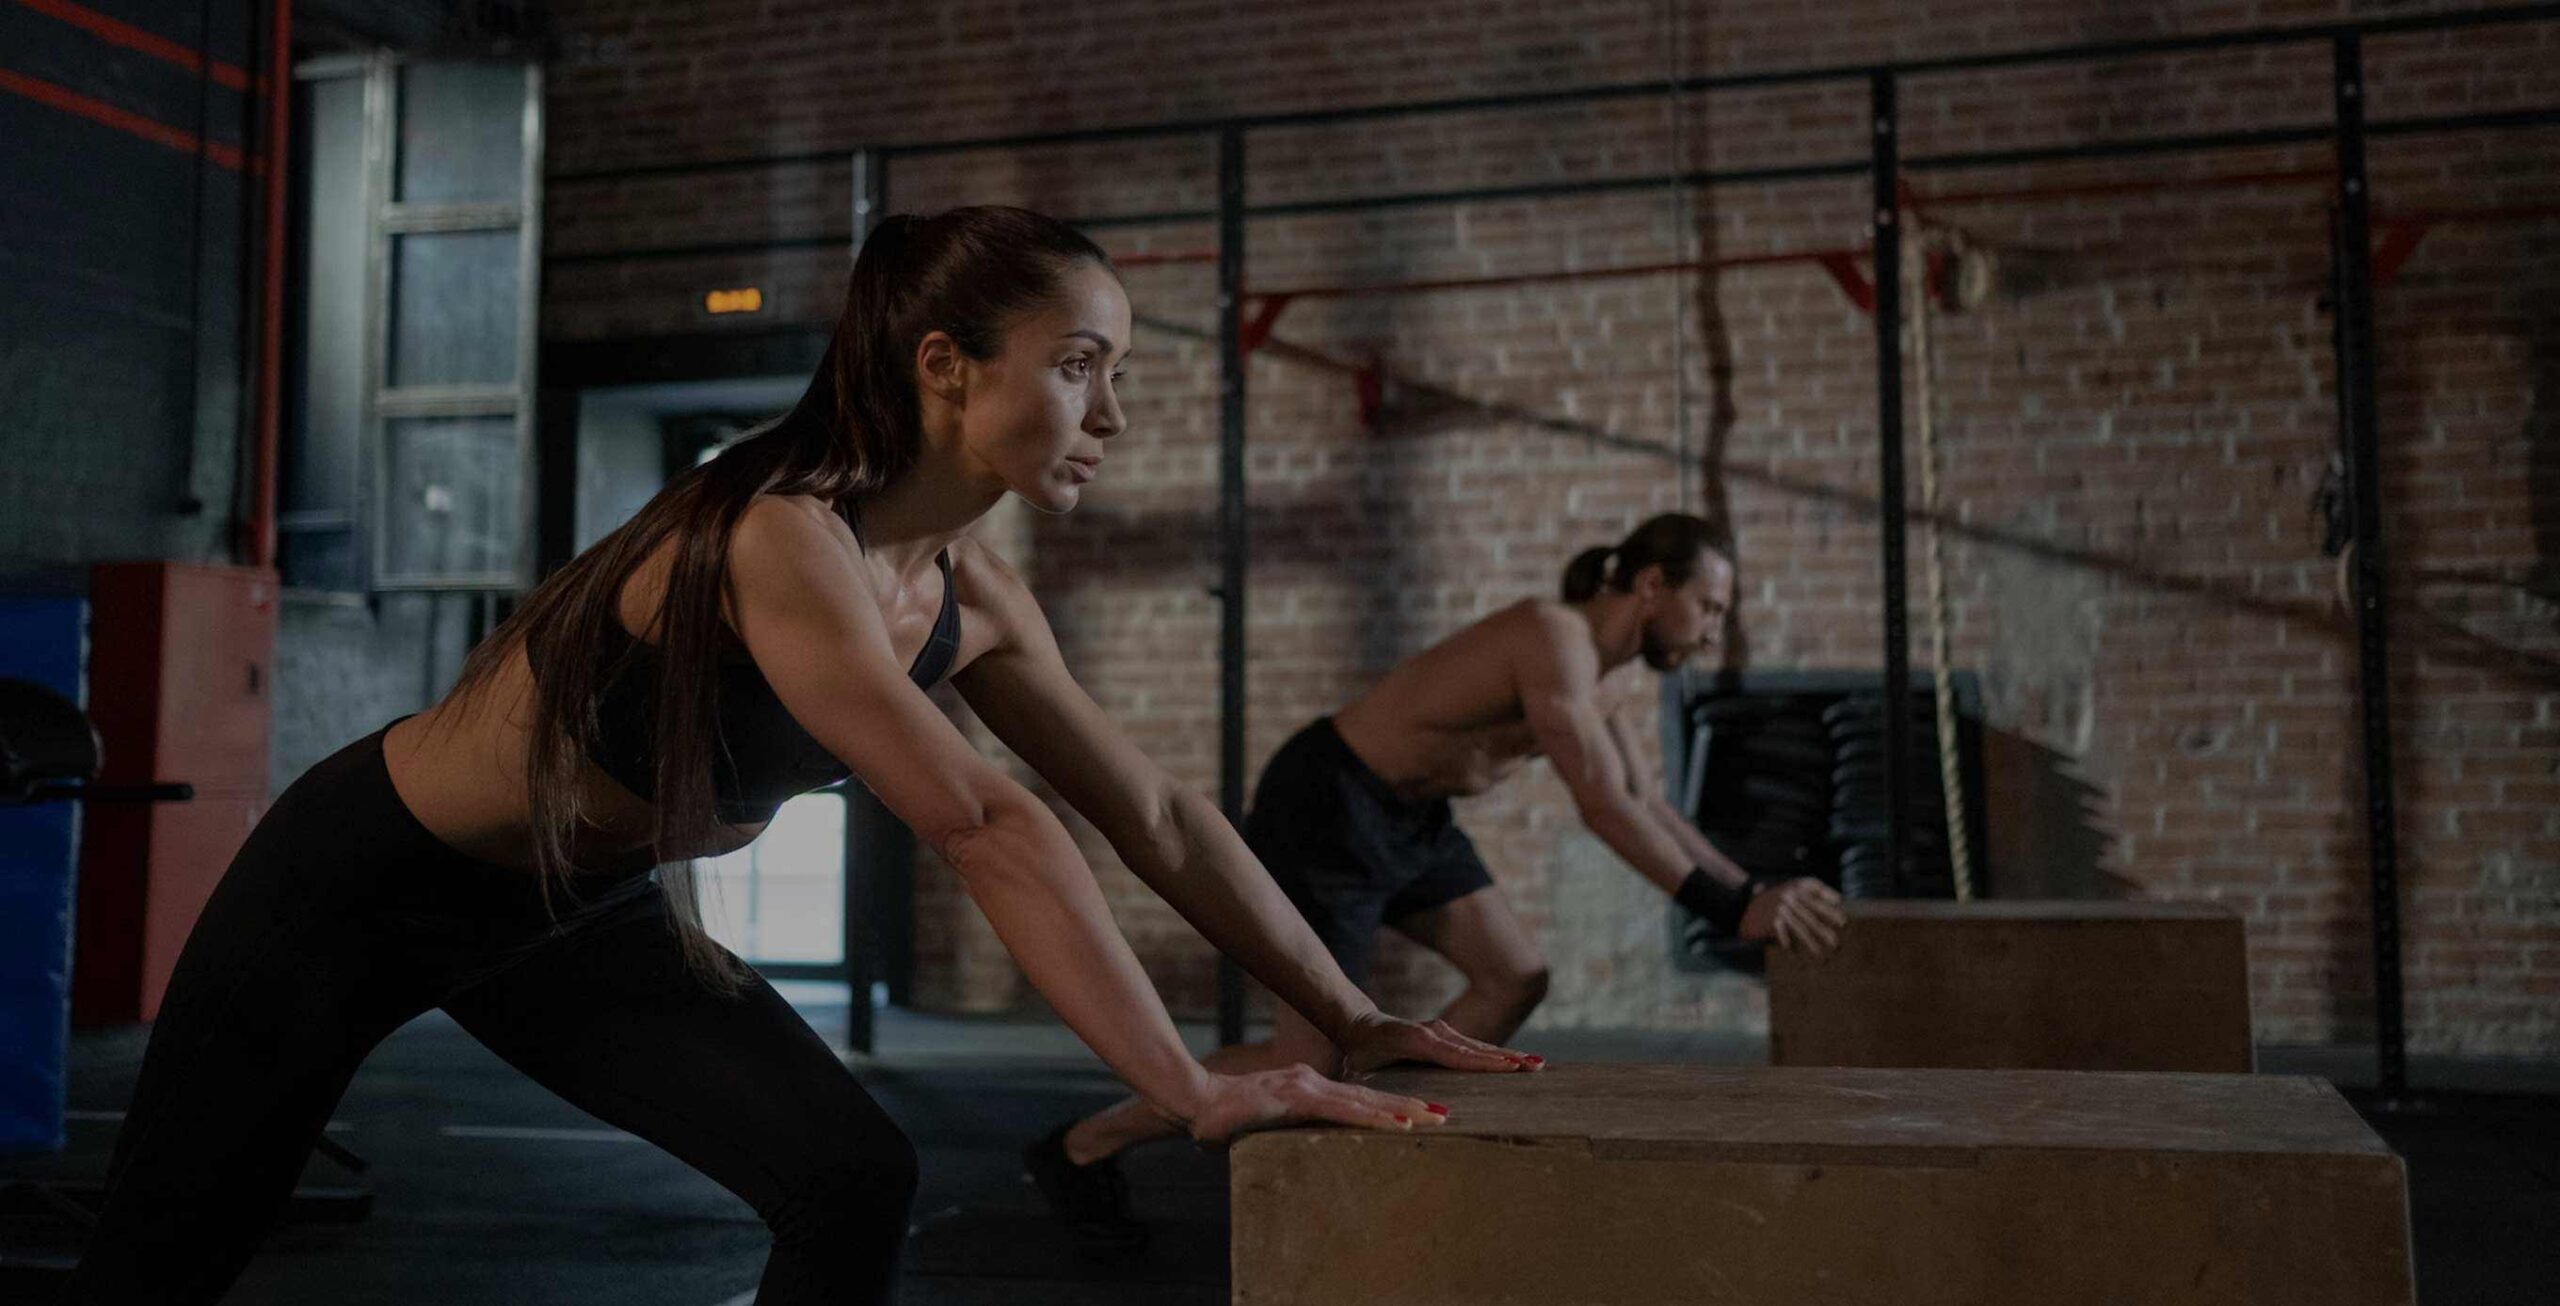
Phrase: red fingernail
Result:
[1404,1120]
[1537,1061]
[1435,1108]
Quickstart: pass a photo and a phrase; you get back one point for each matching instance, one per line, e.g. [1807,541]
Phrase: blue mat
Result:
[43,640]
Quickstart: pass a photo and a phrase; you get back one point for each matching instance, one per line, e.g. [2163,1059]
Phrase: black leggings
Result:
[343,918]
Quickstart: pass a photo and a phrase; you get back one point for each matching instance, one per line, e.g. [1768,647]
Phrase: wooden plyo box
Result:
[1615,1185]
[2080,985]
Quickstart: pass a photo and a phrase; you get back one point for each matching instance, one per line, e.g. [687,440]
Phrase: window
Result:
[408,461]
[780,900]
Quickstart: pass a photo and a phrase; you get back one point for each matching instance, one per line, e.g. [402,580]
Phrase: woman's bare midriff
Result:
[460,765]
[460,768]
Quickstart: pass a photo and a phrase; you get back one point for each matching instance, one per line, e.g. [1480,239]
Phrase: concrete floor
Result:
[488,1190]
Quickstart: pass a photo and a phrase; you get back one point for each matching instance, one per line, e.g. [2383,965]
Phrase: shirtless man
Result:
[1352,819]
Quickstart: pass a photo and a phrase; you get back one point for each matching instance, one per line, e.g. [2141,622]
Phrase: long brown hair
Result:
[967,272]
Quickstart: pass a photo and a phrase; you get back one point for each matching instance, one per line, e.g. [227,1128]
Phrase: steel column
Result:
[2354,339]
[1231,531]
[1886,172]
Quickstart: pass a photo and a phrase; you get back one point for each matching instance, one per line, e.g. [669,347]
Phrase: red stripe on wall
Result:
[136,39]
[123,120]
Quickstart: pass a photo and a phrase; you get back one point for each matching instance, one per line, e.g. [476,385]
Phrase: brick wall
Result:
[2133,426]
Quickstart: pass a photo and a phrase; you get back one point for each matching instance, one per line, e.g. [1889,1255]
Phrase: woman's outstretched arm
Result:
[1172,836]
[822,643]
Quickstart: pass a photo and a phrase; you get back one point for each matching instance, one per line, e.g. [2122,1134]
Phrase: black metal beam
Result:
[2207,41]
[2303,134]
[555,477]
[2131,147]
[1231,532]
[1153,218]
[1560,98]
[732,163]
[1560,189]
[850,238]
[1593,94]
[2466,122]
[704,249]
[866,190]
[687,356]
[2362,428]
[1887,226]
[822,971]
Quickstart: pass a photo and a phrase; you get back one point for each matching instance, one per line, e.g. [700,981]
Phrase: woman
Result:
[765,626]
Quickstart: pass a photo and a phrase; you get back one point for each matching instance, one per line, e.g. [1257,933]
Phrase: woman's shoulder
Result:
[805,511]
[983,578]
[997,607]
[783,529]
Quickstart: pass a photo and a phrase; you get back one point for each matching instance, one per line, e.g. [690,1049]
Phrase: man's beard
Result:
[1661,656]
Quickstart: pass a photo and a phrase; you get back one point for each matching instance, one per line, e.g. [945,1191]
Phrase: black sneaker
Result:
[1092,1201]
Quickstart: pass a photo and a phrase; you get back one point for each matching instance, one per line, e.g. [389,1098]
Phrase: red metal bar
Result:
[2399,240]
[1258,327]
[1842,264]
[1845,266]
[134,38]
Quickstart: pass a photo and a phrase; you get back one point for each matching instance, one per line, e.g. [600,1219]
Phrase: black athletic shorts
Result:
[1350,854]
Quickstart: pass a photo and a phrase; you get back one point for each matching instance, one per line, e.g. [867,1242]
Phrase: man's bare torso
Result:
[1448,721]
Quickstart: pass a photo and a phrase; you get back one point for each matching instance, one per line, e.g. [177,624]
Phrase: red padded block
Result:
[180,656]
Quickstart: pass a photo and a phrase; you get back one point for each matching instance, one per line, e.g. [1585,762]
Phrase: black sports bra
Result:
[761,756]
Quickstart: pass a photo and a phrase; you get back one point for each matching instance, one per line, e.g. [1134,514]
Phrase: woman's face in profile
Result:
[1040,413]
